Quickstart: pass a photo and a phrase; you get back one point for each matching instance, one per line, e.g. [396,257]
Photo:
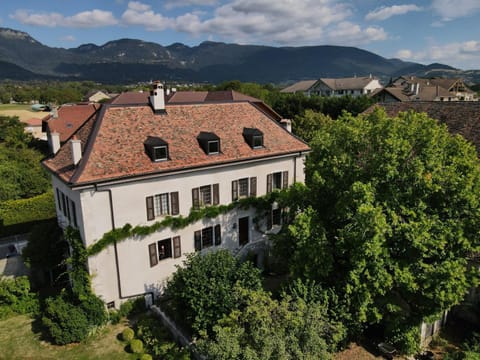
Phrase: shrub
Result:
[65,322]
[146,357]
[136,346]
[128,334]
[94,309]
[15,295]
[130,307]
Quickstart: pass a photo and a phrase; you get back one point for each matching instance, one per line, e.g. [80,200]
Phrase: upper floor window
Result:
[277,181]
[209,142]
[205,195]
[156,148]
[162,204]
[67,207]
[244,187]
[253,137]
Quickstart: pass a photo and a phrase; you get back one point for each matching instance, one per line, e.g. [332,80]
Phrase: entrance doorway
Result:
[243,230]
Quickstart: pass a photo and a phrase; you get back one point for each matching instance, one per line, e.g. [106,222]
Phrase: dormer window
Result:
[209,142]
[253,137]
[156,148]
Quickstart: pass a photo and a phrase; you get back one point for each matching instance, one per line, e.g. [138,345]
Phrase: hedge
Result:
[20,215]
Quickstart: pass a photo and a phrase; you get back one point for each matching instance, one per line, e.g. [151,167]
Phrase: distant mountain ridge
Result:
[130,60]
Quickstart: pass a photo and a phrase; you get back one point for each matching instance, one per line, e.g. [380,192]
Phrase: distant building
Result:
[34,127]
[353,86]
[412,88]
[95,96]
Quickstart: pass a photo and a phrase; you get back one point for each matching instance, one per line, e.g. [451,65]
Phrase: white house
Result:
[353,86]
[143,157]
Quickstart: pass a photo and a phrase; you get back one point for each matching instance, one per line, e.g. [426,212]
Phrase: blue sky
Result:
[446,31]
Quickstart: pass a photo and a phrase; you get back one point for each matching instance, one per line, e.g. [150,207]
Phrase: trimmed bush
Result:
[94,309]
[146,357]
[136,346]
[65,322]
[128,334]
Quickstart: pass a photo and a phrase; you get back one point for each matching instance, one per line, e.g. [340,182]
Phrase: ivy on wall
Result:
[262,204]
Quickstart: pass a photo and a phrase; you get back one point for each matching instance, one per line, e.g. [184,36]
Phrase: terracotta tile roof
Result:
[299,86]
[70,119]
[460,117]
[33,122]
[131,98]
[113,143]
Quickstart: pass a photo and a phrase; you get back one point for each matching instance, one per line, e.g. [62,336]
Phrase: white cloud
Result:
[452,9]
[464,55]
[300,22]
[141,14]
[181,3]
[385,12]
[85,19]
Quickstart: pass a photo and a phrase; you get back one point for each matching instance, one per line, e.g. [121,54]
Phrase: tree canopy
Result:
[391,217]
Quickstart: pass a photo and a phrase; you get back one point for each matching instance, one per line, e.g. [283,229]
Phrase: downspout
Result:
[117,263]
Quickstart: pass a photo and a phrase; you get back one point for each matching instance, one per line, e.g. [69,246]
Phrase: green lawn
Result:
[18,341]
[15,107]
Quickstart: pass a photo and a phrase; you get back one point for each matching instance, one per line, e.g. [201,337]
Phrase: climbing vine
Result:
[262,204]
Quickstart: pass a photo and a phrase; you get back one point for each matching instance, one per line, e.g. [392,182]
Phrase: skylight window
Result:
[253,137]
[156,148]
[209,142]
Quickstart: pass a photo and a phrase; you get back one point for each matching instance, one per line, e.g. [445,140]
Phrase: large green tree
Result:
[263,328]
[391,220]
[202,290]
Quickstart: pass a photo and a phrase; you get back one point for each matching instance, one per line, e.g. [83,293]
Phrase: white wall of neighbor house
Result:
[129,206]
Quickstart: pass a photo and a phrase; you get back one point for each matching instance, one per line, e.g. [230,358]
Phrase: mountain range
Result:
[129,60]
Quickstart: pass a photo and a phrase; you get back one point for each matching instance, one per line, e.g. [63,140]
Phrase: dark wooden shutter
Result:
[234,190]
[150,211]
[195,198]
[197,235]
[269,183]
[218,235]
[177,250]
[64,204]
[152,252]
[253,186]
[174,203]
[285,180]
[59,200]
[215,194]
[74,214]
[67,202]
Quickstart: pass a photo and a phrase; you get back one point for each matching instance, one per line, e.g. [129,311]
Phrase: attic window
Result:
[253,137]
[209,142]
[156,148]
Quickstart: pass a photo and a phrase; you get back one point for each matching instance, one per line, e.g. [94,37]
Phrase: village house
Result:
[412,88]
[143,157]
[353,86]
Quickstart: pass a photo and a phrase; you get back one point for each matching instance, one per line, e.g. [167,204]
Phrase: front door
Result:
[243,230]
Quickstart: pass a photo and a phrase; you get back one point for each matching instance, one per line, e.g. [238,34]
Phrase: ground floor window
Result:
[207,237]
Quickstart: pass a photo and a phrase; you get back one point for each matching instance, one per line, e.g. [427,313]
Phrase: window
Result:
[164,249]
[277,181]
[162,204]
[207,237]
[253,137]
[205,195]
[156,148]
[59,200]
[74,213]
[160,153]
[209,142]
[213,147]
[274,218]
[244,187]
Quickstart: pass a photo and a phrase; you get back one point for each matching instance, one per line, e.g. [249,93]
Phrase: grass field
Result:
[24,112]
[19,341]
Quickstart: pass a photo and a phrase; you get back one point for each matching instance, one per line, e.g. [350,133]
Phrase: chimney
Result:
[55,113]
[54,142]
[157,98]
[417,88]
[412,88]
[76,147]
[167,91]
[287,124]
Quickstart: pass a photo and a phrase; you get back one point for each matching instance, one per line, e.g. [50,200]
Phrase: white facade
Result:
[126,271]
